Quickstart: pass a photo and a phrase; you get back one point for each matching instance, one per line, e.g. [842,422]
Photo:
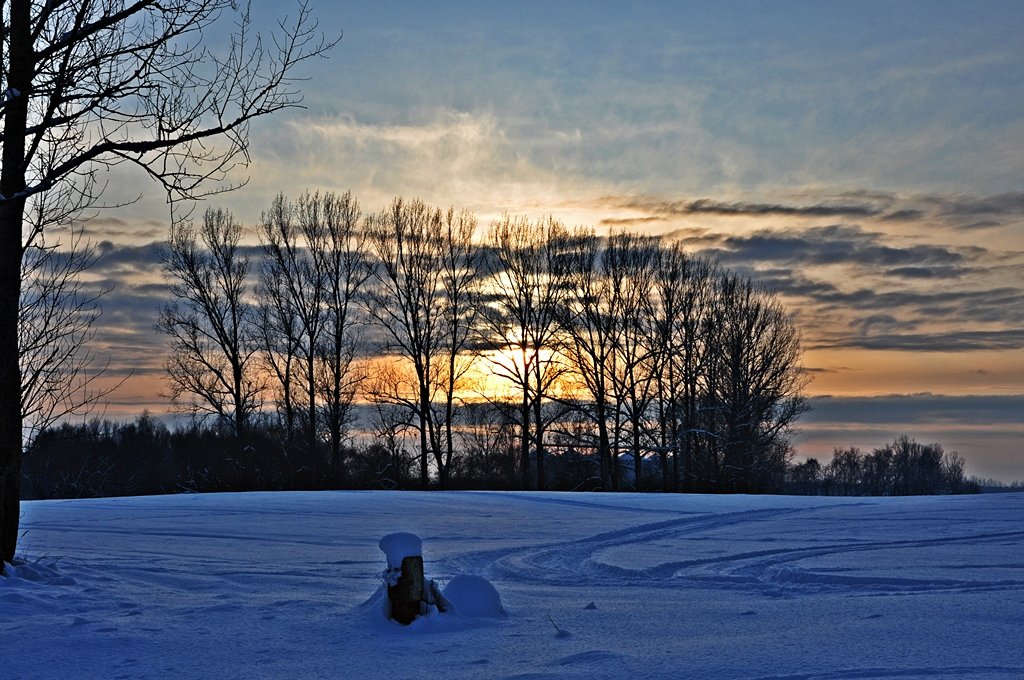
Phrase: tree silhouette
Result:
[92,84]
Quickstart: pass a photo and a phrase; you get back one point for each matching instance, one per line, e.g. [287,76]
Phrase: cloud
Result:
[981,224]
[904,215]
[1010,203]
[928,272]
[709,206]
[917,288]
[956,212]
[918,409]
[885,321]
[107,227]
[829,245]
[950,341]
[121,257]
[444,157]
[631,221]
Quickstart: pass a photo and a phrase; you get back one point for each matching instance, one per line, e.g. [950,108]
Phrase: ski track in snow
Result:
[773,571]
[597,586]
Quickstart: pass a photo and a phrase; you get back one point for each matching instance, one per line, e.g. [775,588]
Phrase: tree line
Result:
[623,351]
[903,468]
[144,456]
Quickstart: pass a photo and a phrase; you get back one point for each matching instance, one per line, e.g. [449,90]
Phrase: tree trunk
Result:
[638,463]
[524,441]
[604,449]
[424,406]
[10,379]
[311,442]
[336,417]
[20,68]
[538,428]
[407,595]
[445,465]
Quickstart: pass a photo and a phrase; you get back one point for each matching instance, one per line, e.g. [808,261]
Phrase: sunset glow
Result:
[863,162]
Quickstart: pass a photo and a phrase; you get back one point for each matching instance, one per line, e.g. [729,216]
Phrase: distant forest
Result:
[537,357]
[144,456]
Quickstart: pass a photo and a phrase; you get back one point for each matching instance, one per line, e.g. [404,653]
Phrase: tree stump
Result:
[407,594]
[404,575]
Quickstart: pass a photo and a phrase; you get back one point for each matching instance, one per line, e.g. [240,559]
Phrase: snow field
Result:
[288,585]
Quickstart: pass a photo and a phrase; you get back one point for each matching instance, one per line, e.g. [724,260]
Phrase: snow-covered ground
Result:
[286,585]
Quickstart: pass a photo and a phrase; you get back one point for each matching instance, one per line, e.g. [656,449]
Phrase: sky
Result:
[863,160]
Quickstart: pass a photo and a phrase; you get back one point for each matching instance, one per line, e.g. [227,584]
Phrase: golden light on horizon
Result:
[863,372]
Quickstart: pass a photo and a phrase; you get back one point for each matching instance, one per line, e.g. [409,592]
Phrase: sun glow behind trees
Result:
[622,347]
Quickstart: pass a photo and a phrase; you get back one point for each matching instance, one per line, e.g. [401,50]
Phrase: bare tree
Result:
[387,463]
[404,301]
[683,287]
[209,322]
[424,300]
[904,467]
[526,282]
[629,266]
[278,332]
[460,309]
[757,392]
[60,372]
[88,84]
[489,445]
[291,272]
[668,281]
[341,252]
[672,353]
[844,472]
[315,265]
[591,330]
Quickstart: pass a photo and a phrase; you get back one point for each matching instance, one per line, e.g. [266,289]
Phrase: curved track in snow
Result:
[664,551]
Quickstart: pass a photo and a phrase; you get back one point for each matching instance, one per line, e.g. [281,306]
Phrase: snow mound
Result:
[372,615]
[474,596]
[399,545]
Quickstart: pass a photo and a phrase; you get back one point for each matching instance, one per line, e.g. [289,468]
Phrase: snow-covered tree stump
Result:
[404,575]
[406,595]
[409,593]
